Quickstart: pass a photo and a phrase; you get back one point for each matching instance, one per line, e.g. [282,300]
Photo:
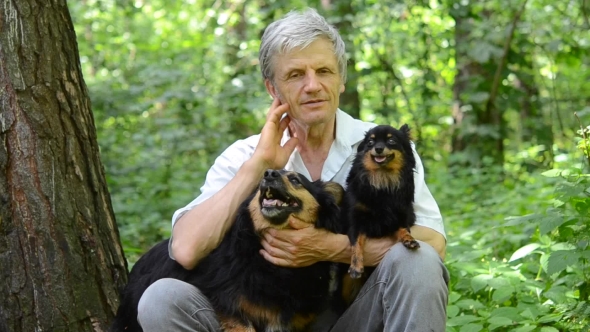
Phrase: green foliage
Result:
[530,272]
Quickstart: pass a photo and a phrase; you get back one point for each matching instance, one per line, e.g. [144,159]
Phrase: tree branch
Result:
[498,74]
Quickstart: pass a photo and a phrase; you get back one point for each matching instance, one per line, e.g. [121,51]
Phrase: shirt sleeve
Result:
[223,170]
[425,207]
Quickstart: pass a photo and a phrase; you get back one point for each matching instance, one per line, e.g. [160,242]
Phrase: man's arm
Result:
[305,245]
[201,229]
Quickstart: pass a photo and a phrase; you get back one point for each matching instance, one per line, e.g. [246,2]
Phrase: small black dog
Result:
[247,292]
[380,191]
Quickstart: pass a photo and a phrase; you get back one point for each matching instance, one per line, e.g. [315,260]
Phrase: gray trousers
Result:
[407,292]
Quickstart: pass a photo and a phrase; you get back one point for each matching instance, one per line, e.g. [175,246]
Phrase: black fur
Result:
[378,211]
[236,269]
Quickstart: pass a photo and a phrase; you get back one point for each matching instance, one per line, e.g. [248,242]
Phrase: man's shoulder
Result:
[239,151]
[248,143]
[352,130]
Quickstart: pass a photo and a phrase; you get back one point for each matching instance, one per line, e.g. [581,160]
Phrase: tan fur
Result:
[299,322]
[357,263]
[309,205]
[269,315]
[336,190]
[233,325]
[386,176]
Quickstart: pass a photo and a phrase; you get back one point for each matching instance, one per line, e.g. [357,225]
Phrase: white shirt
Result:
[349,133]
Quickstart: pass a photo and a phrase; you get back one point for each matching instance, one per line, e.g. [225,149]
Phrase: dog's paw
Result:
[355,273]
[411,244]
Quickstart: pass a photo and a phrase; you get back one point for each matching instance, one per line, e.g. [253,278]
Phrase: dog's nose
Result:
[379,149]
[271,174]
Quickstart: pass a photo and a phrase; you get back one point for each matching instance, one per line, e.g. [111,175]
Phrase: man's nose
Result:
[312,83]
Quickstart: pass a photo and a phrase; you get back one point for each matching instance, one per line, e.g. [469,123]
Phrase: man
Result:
[303,64]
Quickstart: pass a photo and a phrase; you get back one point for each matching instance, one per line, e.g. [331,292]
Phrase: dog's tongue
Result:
[272,202]
[379,159]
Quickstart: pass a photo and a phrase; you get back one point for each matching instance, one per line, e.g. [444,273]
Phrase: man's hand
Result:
[269,151]
[432,237]
[302,245]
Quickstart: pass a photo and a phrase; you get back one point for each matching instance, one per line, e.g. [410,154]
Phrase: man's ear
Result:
[342,88]
[270,88]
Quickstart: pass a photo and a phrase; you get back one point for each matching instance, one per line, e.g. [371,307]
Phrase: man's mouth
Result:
[313,101]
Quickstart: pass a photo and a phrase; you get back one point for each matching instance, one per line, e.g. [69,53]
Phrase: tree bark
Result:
[60,254]
[477,129]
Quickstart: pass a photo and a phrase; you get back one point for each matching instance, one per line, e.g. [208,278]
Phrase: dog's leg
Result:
[403,235]
[357,265]
[232,324]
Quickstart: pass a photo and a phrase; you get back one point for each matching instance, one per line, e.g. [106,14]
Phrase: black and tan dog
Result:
[247,292]
[380,191]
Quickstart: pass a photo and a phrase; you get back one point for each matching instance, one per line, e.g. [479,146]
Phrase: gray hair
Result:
[298,30]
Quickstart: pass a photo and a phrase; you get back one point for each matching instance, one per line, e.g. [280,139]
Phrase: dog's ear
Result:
[336,190]
[406,130]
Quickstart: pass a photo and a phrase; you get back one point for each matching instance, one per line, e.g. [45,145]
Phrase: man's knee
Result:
[421,266]
[168,299]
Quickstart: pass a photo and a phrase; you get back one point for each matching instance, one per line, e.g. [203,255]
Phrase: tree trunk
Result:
[60,254]
[536,128]
[477,128]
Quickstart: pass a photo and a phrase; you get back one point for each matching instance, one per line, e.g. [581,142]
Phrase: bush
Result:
[527,272]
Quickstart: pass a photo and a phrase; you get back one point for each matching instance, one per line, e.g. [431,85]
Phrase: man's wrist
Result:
[339,248]
[255,166]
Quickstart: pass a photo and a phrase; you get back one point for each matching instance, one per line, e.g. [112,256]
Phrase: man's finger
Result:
[276,111]
[298,224]
[274,260]
[284,123]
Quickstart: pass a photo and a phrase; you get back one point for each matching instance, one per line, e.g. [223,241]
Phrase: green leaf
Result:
[560,260]
[469,304]
[496,322]
[524,251]
[480,281]
[526,328]
[454,297]
[552,173]
[462,320]
[471,328]
[502,294]
[549,223]
[550,318]
[452,311]
[549,329]
[513,221]
[508,312]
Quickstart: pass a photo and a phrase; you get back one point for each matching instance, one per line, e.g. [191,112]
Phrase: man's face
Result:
[309,81]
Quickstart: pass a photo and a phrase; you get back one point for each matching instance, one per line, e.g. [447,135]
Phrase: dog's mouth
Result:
[276,204]
[382,158]
[272,198]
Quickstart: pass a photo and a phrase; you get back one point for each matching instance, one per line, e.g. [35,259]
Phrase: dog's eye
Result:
[370,143]
[391,141]
[295,181]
